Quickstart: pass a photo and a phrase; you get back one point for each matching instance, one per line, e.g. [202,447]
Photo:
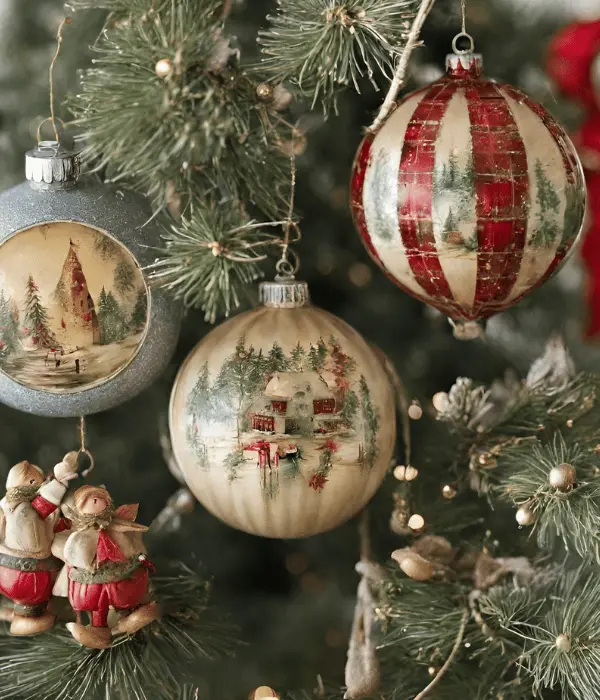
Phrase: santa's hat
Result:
[85,493]
[21,474]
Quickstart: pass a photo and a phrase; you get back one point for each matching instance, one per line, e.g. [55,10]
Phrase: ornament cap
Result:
[284,294]
[51,166]
[464,65]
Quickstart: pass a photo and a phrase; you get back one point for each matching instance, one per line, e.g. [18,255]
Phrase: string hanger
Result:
[83,449]
[466,40]
[286,267]
[53,118]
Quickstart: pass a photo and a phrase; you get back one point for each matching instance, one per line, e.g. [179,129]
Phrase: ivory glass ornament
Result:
[80,330]
[282,419]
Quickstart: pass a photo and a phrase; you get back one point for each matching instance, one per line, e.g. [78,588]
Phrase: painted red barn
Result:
[295,402]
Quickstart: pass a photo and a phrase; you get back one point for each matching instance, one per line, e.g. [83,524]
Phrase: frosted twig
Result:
[399,75]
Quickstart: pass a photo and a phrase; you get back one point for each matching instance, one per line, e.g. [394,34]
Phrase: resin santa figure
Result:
[106,567]
[29,516]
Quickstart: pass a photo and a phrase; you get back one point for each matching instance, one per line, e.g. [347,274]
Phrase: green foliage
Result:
[37,317]
[139,314]
[572,515]
[148,666]
[370,416]
[531,620]
[201,127]
[9,328]
[276,360]
[111,319]
[549,203]
[324,45]
[210,259]
[125,277]
[318,355]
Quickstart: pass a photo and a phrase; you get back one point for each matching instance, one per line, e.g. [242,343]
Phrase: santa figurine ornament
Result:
[29,518]
[574,66]
[106,567]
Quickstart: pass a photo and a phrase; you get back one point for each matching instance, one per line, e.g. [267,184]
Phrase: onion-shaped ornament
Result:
[282,418]
[80,330]
[470,195]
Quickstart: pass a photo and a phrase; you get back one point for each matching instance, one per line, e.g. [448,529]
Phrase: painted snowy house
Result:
[295,402]
[78,315]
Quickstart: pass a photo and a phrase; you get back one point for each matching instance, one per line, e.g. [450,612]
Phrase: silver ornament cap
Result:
[52,166]
[284,294]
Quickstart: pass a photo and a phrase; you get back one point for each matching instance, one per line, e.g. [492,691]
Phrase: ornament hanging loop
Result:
[83,449]
[460,38]
[54,120]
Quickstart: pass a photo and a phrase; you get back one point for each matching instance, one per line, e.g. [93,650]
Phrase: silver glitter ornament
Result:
[80,329]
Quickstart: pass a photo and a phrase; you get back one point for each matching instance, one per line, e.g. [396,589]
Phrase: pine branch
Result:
[148,666]
[200,125]
[210,259]
[537,617]
[324,45]
[571,515]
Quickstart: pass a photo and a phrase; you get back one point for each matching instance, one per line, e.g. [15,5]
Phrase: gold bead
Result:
[416,523]
[449,492]
[433,671]
[563,643]
[265,92]
[570,423]
[440,401]
[415,412]
[525,516]
[263,693]
[163,67]
[403,473]
[562,477]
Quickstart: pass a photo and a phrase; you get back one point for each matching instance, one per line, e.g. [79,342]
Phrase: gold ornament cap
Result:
[284,294]
[51,166]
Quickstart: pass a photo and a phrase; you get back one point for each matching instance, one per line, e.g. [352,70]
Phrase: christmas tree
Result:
[139,314]
[474,603]
[36,317]
[9,328]
[125,277]
[112,321]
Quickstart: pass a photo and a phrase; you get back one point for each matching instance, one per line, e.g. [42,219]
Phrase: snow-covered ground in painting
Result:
[250,496]
[37,368]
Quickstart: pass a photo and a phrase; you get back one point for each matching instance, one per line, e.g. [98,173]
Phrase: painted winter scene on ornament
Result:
[73,307]
[284,437]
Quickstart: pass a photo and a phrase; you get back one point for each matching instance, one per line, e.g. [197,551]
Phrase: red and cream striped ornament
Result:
[469,196]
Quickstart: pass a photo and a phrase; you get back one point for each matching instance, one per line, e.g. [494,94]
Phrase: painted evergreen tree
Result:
[9,328]
[298,359]
[370,416]
[36,317]
[105,246]
[276,360]
[124,277]
[549,202]
[61,295]
[240,378]
[317,356]
[113,325]
[139,314]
